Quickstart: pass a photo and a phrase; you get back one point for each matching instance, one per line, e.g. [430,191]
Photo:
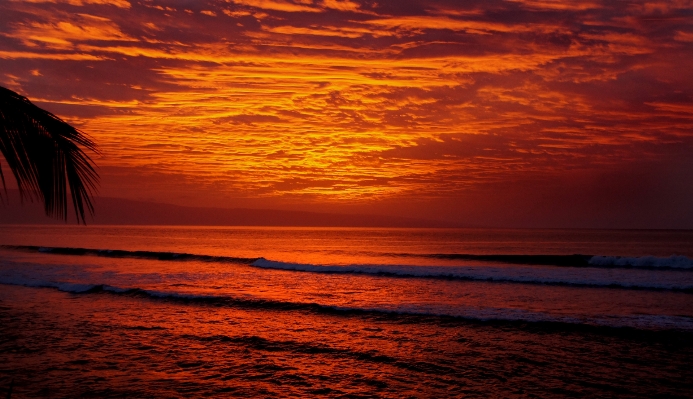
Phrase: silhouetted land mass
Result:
[118,211]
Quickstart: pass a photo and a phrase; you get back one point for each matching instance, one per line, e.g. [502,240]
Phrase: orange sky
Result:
[523,112]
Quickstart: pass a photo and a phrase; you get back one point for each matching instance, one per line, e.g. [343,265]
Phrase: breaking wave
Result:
[600,279]
[490,315]
[673,262]
[117,253]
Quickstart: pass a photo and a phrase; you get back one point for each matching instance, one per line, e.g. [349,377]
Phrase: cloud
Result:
[558,5]
[250,119]
[416,24]
[684,36]
[63,34]
[347,32]
[354,101]
[278,5]
[341,5]
[49,56]
[116,3]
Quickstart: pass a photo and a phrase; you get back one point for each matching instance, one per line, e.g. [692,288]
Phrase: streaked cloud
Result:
[342,5]
[116,3]
[344,100]
[62,34]
[279,5]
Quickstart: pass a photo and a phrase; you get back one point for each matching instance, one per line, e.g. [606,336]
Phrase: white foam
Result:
[38,283]
[73,287]
[597,277]
[483,314]
[674,261]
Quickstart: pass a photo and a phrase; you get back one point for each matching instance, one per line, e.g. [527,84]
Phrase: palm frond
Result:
[45,156]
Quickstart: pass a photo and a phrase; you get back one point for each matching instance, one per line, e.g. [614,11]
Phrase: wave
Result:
[577,260]
[642,278]
[649,273]
[117,253]
[643,262]
[264,344]
[515,317]
[673,262]
[483,274]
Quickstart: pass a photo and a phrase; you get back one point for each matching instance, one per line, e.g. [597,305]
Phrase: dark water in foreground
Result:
[276,312]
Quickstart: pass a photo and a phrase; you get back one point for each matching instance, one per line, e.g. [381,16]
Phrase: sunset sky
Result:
[506,113]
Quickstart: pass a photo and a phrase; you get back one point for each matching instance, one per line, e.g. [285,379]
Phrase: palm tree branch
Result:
[46,157]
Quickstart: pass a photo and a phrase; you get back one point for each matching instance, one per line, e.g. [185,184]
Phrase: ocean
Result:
[179,312]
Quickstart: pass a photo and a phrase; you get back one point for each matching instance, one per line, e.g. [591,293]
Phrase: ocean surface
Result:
[178,312]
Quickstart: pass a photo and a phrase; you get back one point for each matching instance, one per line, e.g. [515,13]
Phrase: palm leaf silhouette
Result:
[43,152]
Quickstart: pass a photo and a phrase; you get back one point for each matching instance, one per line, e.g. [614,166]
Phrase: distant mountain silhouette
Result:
[119,211]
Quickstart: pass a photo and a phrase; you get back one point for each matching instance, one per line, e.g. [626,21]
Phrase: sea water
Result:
[128,311]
